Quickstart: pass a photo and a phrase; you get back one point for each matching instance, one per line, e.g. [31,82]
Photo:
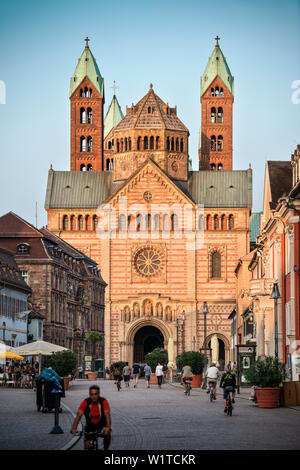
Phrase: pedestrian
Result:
[234,368]
[159,374]
[126,374]
[107,374]
[135,373]
[147,370]
[80,371]
[228,367]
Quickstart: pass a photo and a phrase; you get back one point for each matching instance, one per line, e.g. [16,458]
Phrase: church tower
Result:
[87,100]
[217,95]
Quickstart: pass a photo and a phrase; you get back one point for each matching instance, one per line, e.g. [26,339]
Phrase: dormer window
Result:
[23,249]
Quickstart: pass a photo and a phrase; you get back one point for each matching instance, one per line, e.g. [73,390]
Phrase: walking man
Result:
[126,374]
[147,370]
[159,374]
[135,373]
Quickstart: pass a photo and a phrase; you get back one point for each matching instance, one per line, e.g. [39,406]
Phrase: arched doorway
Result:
[223,347]
[146,339]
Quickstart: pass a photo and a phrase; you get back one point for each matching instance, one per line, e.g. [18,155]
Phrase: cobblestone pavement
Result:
[153,419]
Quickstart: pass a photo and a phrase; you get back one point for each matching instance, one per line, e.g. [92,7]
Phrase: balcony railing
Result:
[261,287]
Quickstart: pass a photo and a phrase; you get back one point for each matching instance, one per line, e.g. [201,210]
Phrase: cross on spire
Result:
[217,39]
[114,87]
[87,41]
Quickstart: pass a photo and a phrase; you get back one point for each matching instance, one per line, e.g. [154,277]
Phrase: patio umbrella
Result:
[7,348]
[39,348]
[10,355]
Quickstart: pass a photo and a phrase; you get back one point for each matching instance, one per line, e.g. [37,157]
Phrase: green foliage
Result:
[193,359]
[157,356]
[94,337]
[266,372]
[63,362]
[120,364]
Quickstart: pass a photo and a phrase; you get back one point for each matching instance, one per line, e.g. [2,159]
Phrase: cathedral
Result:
[166,238]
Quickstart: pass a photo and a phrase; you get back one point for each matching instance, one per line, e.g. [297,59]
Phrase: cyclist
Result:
[117,373]
[97,416]
[212,375]
[186,374]
[228,382]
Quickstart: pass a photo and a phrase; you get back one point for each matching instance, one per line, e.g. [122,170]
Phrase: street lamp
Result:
[275,295]
[182,332]
[177,335]
[205,311]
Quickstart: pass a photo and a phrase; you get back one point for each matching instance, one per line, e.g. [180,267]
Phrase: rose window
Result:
[147,262]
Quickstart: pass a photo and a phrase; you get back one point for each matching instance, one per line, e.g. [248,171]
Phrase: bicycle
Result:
[211,391]
[188,387]
[92,437]
[229,404]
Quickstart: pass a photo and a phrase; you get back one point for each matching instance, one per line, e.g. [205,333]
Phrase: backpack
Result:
[229,380]
[87,412]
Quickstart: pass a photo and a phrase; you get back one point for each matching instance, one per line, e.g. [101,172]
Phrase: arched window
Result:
[221,91]
[145,143]
[81,92]
[107,164]
[213,167]
[213,143]
[89,115]
[220,167]
[148,222]
[129,143]
[122,223]
[82,116]
[213,115]
[122,145]
[152,143]
[80,222]
[72,222]
[223,222]
[109,145]
[82,144]
[131,223]
[208,222]
[220,143]
[89,167]
[220,114]
[86,92]
[82,167]
[168,143]
[216,264]
[217,91]
[172,144]
[138,144]
[200,222]
[177,145]
[89,144]
[216,222]
[157,142]
[212,92]
[112,164]
[65,222]
[230,222]
[181,145]
[118,145]
[126,144]
[166,222]
[95,222]
[174,222]
[87,222]
[138,222]
[149,109]
[91,93]
[156,222]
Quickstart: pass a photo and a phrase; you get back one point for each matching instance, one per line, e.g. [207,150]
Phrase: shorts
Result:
[92,428]
[118,378]
[126,378]
[136,376]
[147,377]
[227,390]
[187,378]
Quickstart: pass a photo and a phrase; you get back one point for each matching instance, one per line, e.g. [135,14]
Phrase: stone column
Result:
[260,332]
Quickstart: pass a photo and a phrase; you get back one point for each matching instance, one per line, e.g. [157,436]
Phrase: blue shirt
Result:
[136,368]
[147,370]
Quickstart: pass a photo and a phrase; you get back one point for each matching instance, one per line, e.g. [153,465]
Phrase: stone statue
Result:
[159,311]
[136,311]
[168,314]
[148,309]
[127,314]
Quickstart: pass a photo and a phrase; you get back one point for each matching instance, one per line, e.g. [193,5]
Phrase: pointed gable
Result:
[87,67]
[217,67]
[13,225]
[113,116]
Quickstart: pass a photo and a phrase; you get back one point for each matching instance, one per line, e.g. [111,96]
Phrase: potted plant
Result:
[93,337]
[158,355]
[196,362]
[266,374]
[64,363]
[120,364]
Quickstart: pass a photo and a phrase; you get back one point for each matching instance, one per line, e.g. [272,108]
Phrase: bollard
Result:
[56,429]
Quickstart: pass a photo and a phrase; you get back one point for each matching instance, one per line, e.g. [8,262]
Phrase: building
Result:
[14,293]
[167,238]
[67,287]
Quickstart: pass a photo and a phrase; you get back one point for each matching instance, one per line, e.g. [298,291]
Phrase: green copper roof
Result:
[113,116]
[217,65]
[87,66]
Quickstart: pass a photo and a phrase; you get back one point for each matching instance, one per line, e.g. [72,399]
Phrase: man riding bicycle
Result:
[228,382]
[212,375]
[117,373]
[97,416]
[186,374]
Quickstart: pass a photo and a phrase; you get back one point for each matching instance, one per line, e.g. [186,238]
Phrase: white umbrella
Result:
[4,347]
[39,348]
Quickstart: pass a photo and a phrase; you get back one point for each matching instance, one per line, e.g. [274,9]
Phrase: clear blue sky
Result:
[137,42]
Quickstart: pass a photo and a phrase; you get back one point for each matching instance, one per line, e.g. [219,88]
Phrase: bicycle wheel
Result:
[189,389]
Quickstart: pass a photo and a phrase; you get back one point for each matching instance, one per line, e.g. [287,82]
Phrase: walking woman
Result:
[159,374]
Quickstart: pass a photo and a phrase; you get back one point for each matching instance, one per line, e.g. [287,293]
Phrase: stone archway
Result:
[223,349]
[146,339]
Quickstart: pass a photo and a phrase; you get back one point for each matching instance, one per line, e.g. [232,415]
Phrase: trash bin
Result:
[49,398]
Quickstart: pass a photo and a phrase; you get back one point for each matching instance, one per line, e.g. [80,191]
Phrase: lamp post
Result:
[121,345]
[205,311]
[182,332]
[177,336]
[275,295]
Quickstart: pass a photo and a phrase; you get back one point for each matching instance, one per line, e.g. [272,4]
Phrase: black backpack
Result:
[87,412]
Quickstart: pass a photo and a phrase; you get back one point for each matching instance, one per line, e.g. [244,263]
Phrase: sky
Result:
[136,43]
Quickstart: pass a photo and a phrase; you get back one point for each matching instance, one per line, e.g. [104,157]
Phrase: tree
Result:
[63,362]
[193,359]
[94,337]
[157,356]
